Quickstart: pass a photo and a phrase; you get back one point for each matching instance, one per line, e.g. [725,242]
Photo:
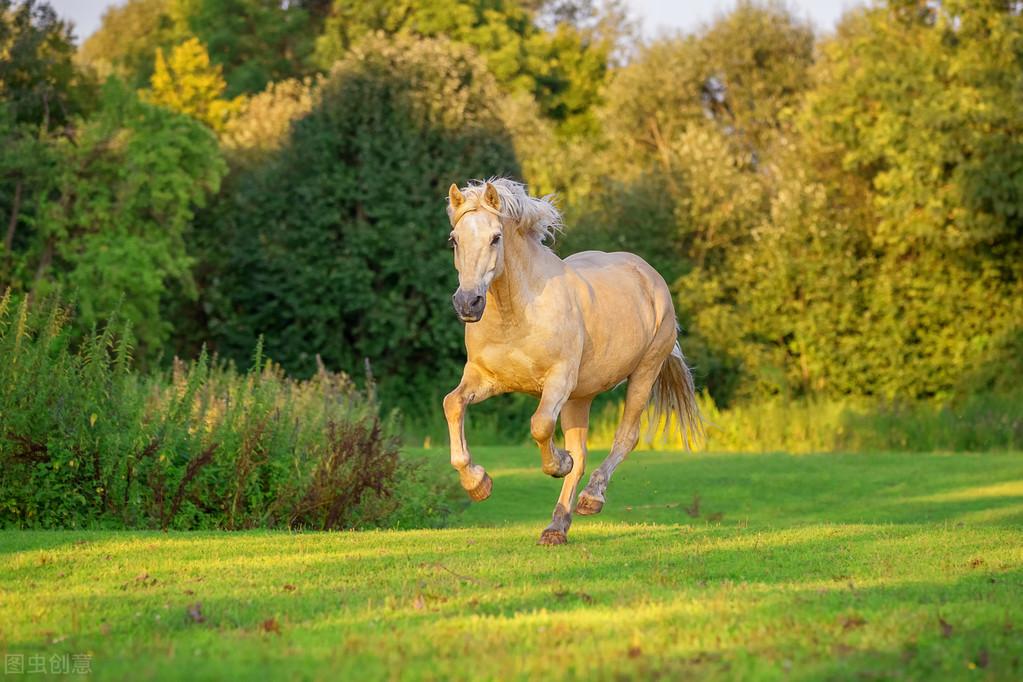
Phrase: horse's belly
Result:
[628,304]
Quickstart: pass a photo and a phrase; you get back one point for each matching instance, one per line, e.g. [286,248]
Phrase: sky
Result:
[657,16]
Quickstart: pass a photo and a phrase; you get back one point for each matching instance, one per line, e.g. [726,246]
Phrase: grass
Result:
[806,567]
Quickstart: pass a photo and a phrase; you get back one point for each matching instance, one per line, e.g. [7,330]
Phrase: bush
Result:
[87,441]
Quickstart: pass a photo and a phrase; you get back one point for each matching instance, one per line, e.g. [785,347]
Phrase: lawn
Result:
[701,566]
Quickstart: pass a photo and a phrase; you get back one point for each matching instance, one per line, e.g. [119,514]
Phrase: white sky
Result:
[657,16]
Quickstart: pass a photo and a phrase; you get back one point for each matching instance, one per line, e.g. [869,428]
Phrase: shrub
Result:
[87,441]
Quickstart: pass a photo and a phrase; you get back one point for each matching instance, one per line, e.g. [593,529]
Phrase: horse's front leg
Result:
[557,387]
[472,389]
[575,419]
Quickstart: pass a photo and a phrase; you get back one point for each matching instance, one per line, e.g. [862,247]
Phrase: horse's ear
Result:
[491,198]
[455,198]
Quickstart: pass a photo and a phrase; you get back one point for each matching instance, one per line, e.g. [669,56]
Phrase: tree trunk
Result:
[13,222]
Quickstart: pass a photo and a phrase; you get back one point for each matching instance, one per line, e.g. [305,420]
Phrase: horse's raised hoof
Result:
[588,505]
[551,537]
[482,491]
[562,464]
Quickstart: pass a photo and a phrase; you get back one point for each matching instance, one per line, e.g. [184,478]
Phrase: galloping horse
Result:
[561,330]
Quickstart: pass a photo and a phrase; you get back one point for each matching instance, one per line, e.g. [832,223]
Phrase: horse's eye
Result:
[497,238]
[451,242]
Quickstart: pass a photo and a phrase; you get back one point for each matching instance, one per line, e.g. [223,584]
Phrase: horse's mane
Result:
[538,217]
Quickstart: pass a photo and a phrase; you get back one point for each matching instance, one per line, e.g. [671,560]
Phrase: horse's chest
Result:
[512,368]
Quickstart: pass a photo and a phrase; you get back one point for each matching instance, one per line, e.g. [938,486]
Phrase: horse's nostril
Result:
[477,302]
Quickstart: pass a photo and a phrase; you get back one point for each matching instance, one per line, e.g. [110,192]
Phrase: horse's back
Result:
[623,273]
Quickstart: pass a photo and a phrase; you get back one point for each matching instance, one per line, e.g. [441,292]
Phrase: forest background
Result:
[840,217]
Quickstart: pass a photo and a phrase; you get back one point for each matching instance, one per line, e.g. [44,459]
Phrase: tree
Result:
[186,82]
[38,79]
[253,41]
[128,39]
[890,265]
[335,245]
[264,124]
[111,202]
[563,68]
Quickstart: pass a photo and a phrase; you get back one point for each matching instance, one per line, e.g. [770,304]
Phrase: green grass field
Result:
[807,567]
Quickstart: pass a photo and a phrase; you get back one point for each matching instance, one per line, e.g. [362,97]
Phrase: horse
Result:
[563,331]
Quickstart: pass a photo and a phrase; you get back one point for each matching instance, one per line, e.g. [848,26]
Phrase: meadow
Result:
[709,566]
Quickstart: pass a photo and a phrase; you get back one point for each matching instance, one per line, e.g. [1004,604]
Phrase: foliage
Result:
[685,165]
[38,81]
[840,219]
[687,129]
[254,41]
[716,567]
[85,440]
[104,210]
[263,126]
[186,82]
[130,36]
[563,68]
[890,262]
[346,258]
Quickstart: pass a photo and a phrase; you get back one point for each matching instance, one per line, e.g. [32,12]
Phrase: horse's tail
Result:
[674,393]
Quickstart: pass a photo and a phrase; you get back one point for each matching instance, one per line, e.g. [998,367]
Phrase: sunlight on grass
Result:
[1003,489]
[835,567]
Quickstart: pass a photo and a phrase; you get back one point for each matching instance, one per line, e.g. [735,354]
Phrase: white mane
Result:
[537,216]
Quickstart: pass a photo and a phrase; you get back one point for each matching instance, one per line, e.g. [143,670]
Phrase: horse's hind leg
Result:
[575,419]
[472,389]
[637,396]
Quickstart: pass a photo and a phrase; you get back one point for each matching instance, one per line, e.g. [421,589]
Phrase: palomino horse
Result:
[561,330]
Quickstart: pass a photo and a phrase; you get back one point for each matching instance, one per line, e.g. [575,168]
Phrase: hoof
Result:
[588,505]
[482,491]
[564,464]
[552,537]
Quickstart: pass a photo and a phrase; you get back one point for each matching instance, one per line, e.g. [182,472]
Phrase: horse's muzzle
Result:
[469,305]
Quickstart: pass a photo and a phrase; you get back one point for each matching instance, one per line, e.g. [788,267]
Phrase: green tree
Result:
[128,39]
[253,41]
[335,246]
[563,67]
[111,202]
[38,79]
[891,262]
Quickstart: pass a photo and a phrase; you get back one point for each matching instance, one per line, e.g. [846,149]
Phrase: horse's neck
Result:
[527,267]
